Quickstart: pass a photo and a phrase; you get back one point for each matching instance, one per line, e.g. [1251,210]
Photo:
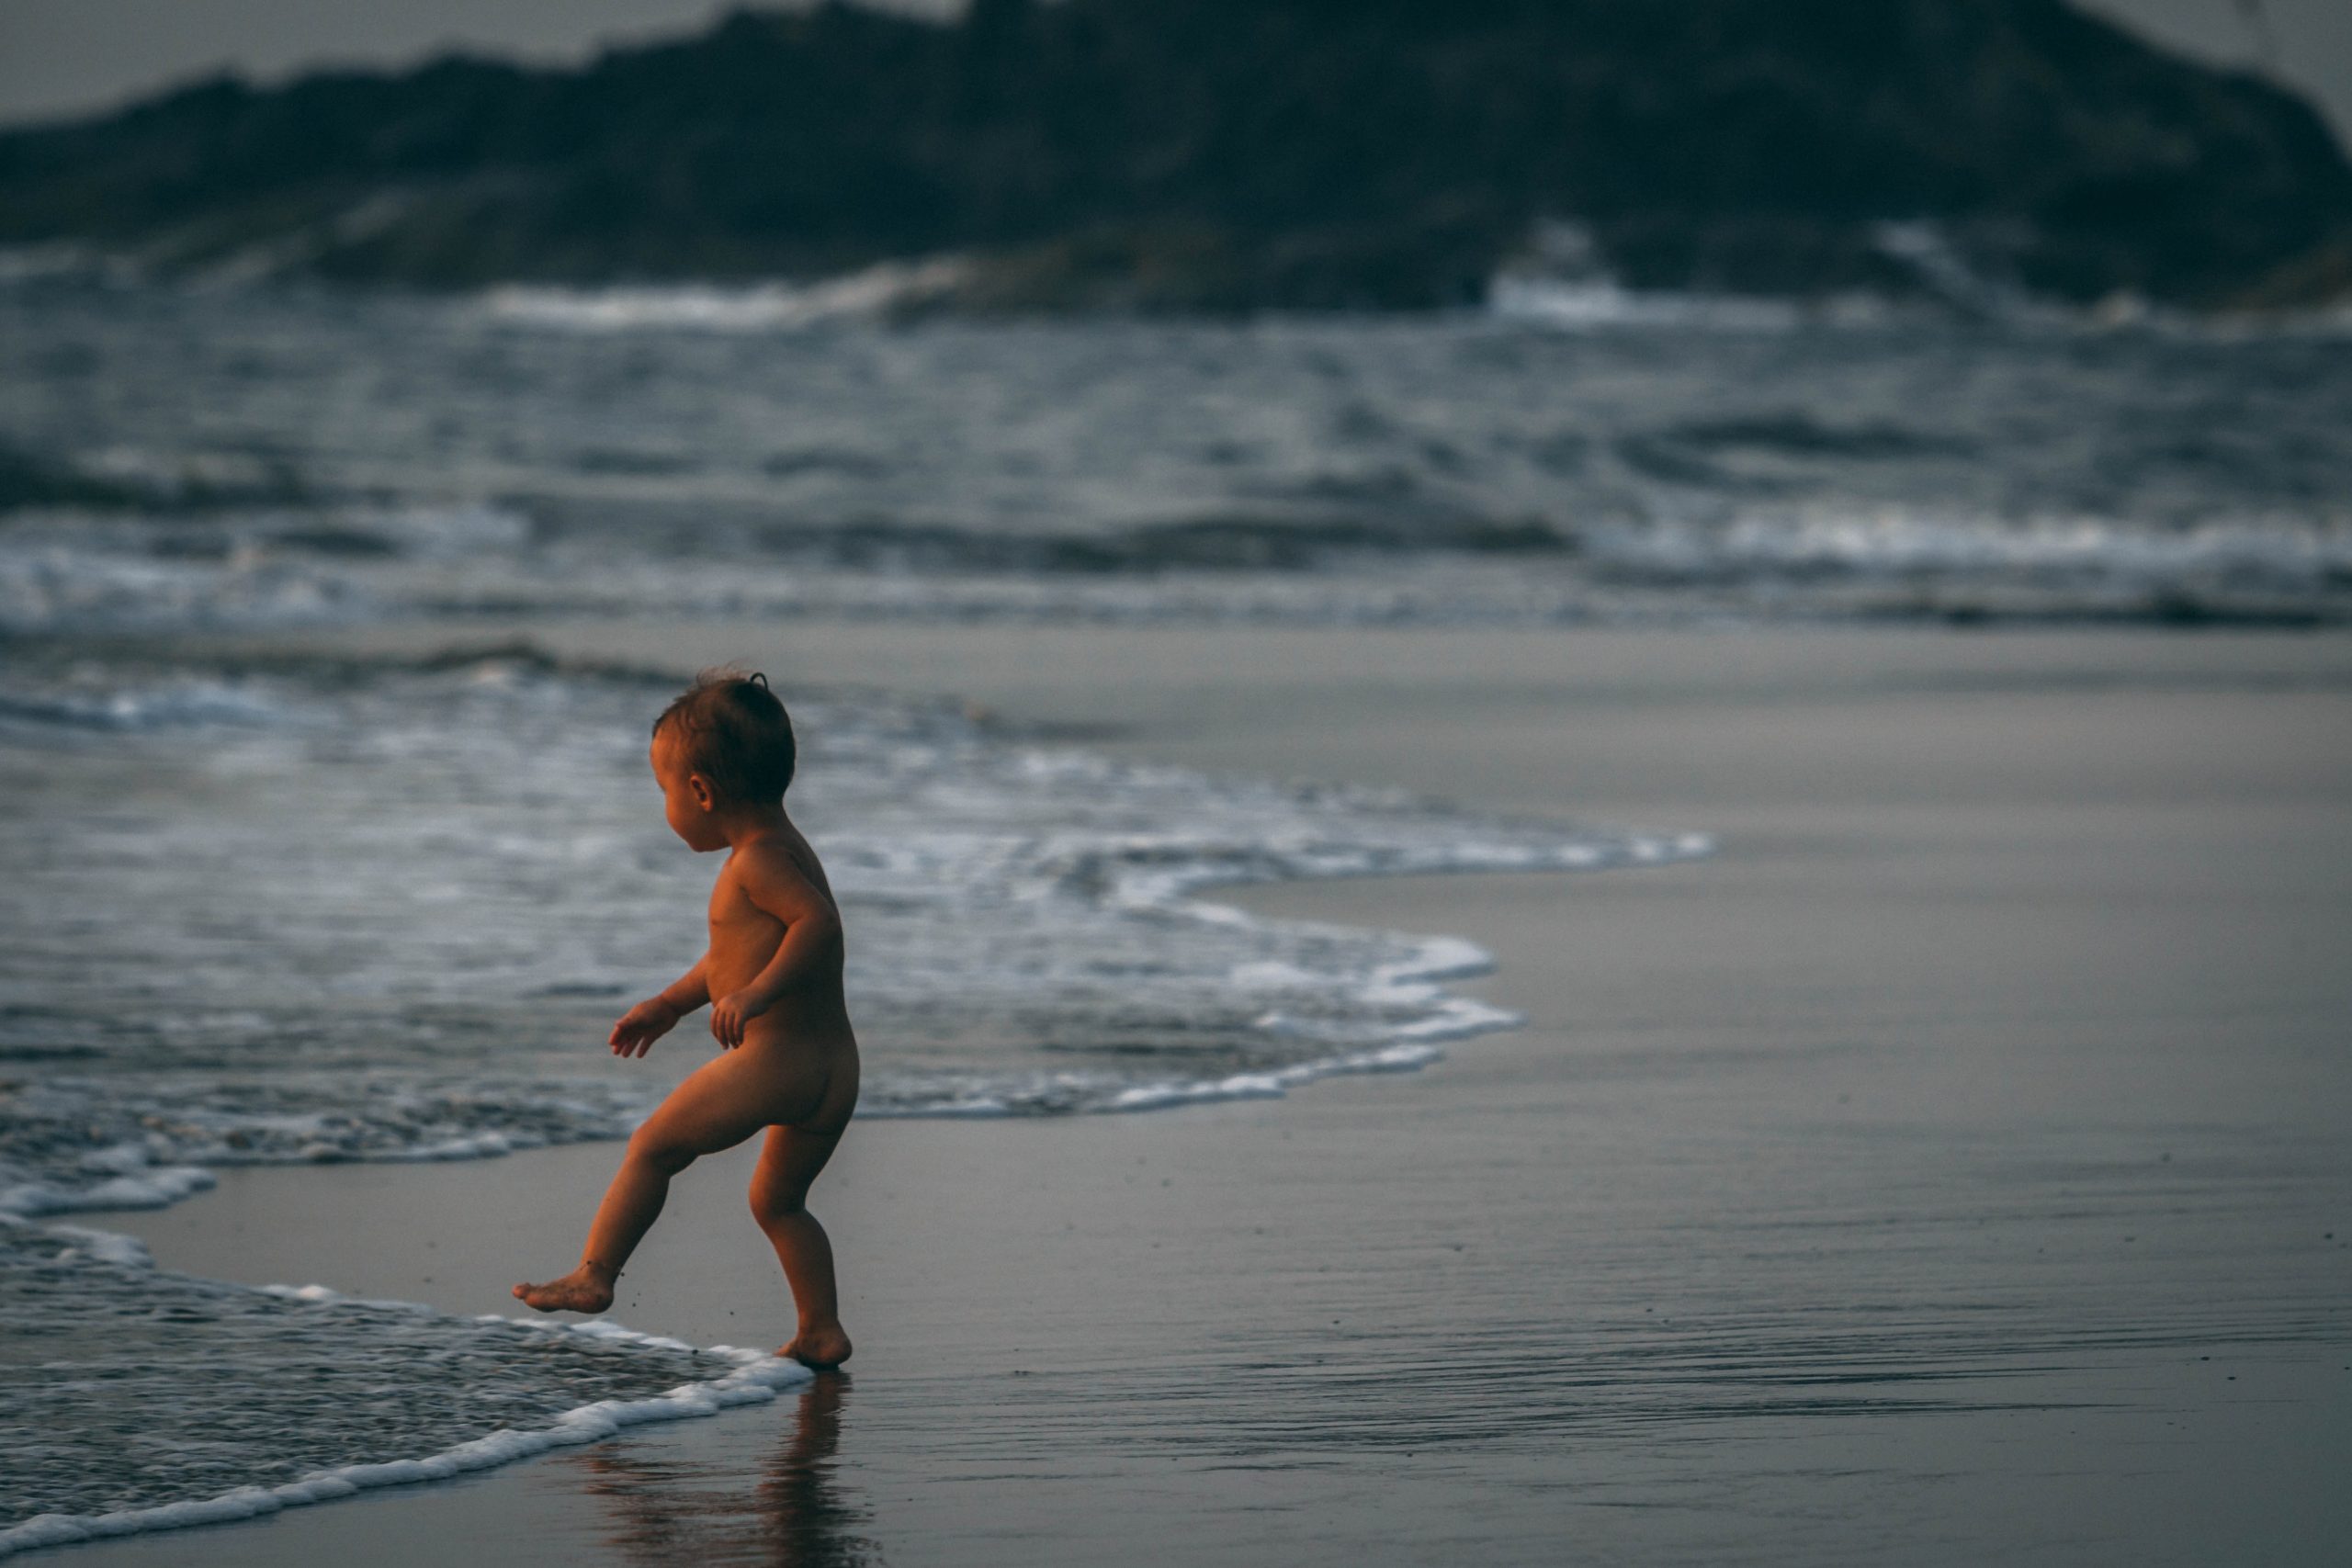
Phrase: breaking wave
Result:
[305,459]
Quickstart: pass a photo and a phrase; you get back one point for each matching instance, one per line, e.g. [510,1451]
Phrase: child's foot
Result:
[822,1347]
[588,1287]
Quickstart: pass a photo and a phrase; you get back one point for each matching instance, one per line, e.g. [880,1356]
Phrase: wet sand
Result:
[1951,1169]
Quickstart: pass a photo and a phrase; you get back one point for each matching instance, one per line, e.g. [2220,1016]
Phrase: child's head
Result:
[722,744]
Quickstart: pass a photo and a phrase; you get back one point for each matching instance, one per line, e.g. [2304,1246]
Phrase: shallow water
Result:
[298,1385]
[390,912]
[327,911]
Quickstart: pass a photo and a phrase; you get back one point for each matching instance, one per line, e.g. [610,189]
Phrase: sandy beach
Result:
[1583,774]
[1949,1169]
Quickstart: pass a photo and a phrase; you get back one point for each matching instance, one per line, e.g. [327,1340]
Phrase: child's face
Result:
[686,799]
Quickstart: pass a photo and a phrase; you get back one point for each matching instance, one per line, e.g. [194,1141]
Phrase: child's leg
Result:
[722,1103]
[788,1163]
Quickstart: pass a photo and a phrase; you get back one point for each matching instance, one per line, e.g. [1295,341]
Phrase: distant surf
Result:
[765,307]
[1578,452]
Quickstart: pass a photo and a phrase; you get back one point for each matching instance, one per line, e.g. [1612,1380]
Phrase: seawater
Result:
[289,908]
[307,1396]
[176,458]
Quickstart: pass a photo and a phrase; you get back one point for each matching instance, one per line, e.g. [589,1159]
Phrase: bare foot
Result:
[588,1287]
[823,1347]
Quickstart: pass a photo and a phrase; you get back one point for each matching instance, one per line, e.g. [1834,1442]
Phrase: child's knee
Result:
[770,1204]
[664,1154]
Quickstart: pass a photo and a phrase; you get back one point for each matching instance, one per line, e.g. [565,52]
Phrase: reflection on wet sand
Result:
[792,1512]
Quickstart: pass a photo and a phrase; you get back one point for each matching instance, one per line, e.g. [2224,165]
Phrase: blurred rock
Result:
[1226,155]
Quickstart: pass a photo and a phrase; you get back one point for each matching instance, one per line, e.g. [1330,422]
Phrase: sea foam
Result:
[417,1395]
[378,949]
[754,307]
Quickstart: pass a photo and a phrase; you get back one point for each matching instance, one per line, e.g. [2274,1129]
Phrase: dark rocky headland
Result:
[1237,154]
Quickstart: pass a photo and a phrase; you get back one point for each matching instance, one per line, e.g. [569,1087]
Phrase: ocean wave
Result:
[755,308]
[87,1144]
[1588,305]
[2283,556]
[1758,562]
[309,1395]
[163,704]
[1944,286]
[255,459]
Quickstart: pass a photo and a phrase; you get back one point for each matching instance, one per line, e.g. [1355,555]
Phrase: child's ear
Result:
[701,788]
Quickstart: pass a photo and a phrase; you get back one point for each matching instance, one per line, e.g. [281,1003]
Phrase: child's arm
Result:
[649,1020]
[811,944]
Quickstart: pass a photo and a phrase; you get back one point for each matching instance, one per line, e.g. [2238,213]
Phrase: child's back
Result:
[746,933]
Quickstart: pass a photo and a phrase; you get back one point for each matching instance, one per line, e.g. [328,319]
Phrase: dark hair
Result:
[735,733]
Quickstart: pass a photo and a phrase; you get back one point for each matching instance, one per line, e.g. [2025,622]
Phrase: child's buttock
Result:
[814,1080]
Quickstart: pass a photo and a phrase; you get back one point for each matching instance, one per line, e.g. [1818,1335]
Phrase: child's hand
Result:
[640,1026]
[731,1012]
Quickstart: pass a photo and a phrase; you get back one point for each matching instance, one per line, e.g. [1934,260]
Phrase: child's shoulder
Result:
[782,862]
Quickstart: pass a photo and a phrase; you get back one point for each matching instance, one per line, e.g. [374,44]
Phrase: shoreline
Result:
[1784,1038]
[754,1380]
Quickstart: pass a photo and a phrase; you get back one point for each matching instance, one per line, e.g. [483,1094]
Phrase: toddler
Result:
[723,755]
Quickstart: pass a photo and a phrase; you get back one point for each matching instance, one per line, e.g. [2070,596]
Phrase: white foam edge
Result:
[1411,980]
[1401,1057]
[758,1376]
[1408,1056]
[103,1246]
[157,1187]
[1170,890]
[771,305]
